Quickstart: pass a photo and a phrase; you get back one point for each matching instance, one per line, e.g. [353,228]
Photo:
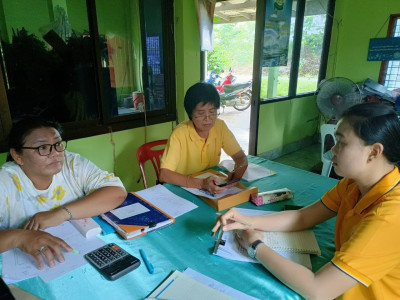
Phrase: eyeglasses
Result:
[203,115]
[46,149]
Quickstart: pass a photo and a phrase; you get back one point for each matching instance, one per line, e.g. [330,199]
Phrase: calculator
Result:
[112,261]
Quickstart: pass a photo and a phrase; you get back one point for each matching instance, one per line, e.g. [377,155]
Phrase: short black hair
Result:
[200,92]
[23,128]
[376,123]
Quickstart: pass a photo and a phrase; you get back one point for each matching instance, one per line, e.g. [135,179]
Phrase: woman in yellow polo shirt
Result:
[196,144]
[366,203]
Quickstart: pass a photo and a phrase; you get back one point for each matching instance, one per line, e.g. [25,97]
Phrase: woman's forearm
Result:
[9,239]
[102,200]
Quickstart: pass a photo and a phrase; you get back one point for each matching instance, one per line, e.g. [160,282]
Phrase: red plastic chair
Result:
[146,153]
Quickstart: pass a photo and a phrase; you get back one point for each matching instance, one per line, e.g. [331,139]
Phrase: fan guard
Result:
[335,95]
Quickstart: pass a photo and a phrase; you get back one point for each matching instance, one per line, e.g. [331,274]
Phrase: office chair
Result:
[150,151]
[327,136]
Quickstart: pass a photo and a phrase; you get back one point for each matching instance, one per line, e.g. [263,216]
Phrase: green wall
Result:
[187,45]
[280,123]
[286,122]
[355,23]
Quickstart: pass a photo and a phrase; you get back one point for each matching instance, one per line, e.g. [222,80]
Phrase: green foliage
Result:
[233,46]
[304,85]
[234,42]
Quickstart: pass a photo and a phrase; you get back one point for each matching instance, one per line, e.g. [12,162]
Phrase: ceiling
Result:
[232,11]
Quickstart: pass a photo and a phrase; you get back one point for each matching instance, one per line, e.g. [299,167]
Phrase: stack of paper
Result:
[196,286]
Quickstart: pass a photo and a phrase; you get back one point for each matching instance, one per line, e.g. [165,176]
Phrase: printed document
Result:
[18,265]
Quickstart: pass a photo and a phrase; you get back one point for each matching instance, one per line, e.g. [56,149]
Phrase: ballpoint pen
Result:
[149,266]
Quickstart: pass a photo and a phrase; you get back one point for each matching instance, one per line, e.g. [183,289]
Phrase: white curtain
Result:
[205,14]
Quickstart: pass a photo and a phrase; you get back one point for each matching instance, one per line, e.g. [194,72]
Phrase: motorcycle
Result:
[218,81]
[229,79]
[237,95]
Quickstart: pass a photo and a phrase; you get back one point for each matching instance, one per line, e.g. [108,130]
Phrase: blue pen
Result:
[149,266]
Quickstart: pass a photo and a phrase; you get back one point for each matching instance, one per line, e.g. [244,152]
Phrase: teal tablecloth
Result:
[188,243]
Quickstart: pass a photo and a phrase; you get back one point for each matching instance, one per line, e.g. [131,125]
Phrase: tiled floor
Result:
[308,158]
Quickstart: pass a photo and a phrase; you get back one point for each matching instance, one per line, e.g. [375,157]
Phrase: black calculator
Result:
[112,261]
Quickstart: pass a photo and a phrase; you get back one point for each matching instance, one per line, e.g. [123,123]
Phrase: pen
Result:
[149,266]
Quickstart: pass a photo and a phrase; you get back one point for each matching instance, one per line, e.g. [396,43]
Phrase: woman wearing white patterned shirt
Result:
[42,185]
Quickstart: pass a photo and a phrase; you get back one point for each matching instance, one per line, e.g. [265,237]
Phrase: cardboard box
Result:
[228,201]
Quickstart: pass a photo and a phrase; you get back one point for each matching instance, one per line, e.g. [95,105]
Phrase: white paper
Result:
[198,192]
[166,200]
[129,211]
[18,265]
[217,285]
[253,171]
[229,191]
[232,250]
[179,286]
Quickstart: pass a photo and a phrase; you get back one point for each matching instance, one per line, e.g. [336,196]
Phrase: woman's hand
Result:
[210,185]
[247,237]
[231,220]
[41,245]
[46,219]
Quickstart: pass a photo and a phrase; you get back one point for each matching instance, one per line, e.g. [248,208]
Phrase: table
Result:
[188,243]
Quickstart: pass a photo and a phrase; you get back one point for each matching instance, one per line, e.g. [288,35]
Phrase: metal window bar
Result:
[391,79]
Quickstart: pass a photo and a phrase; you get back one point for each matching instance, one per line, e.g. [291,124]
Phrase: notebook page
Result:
[299,241]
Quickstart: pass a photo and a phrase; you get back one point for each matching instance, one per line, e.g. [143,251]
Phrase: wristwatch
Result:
[252,249]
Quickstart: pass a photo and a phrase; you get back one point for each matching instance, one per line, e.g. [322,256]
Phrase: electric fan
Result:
[335,95]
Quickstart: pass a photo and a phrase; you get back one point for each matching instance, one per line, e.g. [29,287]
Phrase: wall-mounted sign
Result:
[384,49]
[276,33]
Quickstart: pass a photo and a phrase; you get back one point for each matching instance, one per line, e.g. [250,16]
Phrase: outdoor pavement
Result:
[239,123]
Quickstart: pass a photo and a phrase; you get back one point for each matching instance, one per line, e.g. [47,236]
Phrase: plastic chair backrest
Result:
[328,140]
[151,151]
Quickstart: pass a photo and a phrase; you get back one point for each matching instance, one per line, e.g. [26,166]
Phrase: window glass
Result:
[391,68]
[311,46]
[49,65]
[152,40]
[275,80]
[120,49]
[88,64]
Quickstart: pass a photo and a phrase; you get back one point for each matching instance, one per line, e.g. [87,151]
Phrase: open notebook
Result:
[299,241]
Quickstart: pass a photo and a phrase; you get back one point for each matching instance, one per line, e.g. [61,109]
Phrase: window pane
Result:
[391,77]
[311,46]
[275,80]
[153,76]
[49,66]
[120,48]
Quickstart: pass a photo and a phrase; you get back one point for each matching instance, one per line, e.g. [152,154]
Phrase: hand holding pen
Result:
[231,220]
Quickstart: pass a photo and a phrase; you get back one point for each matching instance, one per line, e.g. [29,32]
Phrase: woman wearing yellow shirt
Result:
[196,144]
[366,203]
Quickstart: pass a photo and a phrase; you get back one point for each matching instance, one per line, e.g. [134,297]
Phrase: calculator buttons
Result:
[112,261]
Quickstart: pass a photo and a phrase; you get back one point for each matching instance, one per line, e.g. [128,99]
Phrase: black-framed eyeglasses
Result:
[46,149]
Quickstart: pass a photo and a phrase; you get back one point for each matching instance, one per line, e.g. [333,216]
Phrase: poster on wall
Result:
[384,49]
[276,33]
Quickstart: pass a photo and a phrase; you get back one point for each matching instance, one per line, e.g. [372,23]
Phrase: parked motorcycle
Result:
[219,80]
[229,79]
[237,95]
